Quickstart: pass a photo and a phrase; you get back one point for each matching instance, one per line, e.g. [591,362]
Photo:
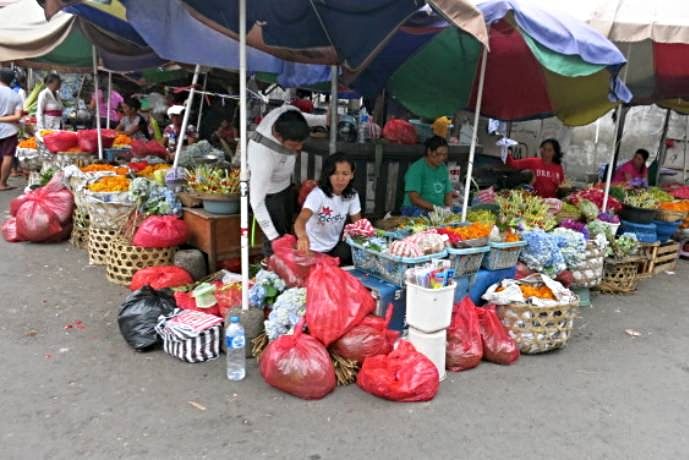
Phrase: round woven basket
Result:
[99,244]
[620,276]
[124,260]
[108,215]
[80,229]
[589,273]
[538,329]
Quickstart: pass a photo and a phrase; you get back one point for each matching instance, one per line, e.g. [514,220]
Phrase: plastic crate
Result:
[466,262]
[388,267]
[665,230]
[645,233]
[502,255]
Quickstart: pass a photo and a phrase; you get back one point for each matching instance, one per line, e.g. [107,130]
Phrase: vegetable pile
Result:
[521,209]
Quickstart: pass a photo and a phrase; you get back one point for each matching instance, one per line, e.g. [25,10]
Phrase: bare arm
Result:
[419,202]
[303,243]
[448,199]
[12,118]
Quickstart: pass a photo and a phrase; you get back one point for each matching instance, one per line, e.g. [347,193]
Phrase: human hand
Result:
[303,245]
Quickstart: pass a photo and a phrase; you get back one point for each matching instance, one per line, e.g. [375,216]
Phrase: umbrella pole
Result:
[185,119]
[107,103]
[94,55]
[684,166]
[203,98]
[333,109]
[662,150]
[474,136]
[243,144]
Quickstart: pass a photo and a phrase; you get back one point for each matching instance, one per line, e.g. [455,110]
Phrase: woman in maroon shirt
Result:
[547,170]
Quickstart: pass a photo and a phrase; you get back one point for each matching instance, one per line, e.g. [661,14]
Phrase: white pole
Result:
[107,103]
[95,87]
[608,179]
[474,136]
[185,119]
[333,109]
[243,143]
[198,120]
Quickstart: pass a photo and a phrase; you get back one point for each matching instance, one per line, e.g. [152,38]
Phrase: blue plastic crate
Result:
[385,294]
[502,255]
[665,230]
[467,261]
[645,233]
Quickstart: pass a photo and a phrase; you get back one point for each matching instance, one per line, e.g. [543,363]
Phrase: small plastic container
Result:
[433,346]
[430,310]
[467,261]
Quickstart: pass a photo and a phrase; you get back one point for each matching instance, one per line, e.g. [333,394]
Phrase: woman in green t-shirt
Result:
[427,181]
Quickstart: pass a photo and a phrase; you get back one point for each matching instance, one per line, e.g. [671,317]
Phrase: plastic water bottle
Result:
[363,126]
[235,341]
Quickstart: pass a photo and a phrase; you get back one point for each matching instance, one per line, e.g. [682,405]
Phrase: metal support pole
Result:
[187,113]
[333,109]
[243,144]
[94,55]
[107,103]
[198,120]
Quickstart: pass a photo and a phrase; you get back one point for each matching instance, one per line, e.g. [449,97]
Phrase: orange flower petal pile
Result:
[110,184]
[29,143]
[119,170]
[678,206]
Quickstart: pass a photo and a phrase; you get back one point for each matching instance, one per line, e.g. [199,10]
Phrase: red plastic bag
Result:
[9,230]
[464,345]
[161,232]
[371,337]
[88,139]
[289,264]
[299,365]
[404,375]
[141,148]
[306,187]
[498,346]
[186,301]
[160,277]
[228,296]
[399,131]
[37,223]
[60,141]
[336,302]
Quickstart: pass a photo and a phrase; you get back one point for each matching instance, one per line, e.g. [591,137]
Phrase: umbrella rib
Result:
[325,31]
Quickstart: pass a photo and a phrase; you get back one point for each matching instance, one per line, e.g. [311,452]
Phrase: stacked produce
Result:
[519,209]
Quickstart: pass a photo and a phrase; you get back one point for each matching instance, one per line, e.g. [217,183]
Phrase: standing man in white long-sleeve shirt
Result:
[271,155]
[49,106]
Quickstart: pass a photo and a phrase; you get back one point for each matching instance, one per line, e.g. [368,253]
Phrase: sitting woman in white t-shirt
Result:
[326,209]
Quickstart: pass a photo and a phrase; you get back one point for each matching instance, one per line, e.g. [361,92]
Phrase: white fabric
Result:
[270,172]
[9,104]
[324,228]
[48,101]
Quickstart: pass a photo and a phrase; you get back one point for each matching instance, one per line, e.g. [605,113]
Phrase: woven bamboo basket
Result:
[589,272]
[647,254]
[670,216]
[80,229]
[124,260]
[538,329]
[108,215]
[99,245]
[620,276]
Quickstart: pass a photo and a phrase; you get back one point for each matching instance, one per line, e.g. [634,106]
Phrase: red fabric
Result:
[88,139]
[404,375]
[671,62]
[498,346]
[9,230]
[60,141]
[299,365]
[464,345]
[161,232]
[369,338]
[515,87]
[548,177]
[289,264]
[160,277]
[399,131]
[336,302]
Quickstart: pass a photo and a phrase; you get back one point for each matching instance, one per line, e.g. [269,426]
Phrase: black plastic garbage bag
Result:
[139,315]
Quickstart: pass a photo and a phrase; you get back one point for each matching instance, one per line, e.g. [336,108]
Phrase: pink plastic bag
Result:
[404,375]
[161,232]
[88,139]
[44,214]
[464,345]
[9,230]
[399,131]
[37,223]
[289,264]
[498,346]
[336,302]
[60,141]
[369,338]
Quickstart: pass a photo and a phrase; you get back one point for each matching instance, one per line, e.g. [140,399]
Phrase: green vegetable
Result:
[481,215]
[660,195]
[640,199]
[624,246]
[521,208]
[588,209]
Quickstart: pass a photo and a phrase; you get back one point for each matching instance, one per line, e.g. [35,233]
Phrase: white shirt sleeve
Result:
[40,109]
[261,168]
[314,200]
[355,207]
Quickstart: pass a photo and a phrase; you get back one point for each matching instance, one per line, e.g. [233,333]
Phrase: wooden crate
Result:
[665,257]
[647,253]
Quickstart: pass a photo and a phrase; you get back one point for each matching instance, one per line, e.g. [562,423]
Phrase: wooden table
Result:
[217,235]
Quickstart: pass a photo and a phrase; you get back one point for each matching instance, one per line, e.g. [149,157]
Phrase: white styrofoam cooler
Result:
[429,310]
[432,346]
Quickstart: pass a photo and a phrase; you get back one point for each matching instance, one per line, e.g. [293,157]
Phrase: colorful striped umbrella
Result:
[539,65]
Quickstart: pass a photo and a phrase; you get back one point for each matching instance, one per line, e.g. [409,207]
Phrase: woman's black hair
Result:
[292,126]
[433,143]
[643,152]
[133,103]
[557,158]
[52,77]
[329,168]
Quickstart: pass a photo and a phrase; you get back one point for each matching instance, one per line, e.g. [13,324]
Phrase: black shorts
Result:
[8,146]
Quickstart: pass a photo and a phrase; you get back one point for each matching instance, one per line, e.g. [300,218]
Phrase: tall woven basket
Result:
[125,259]
[99,245]
[620,276]
[80,228]
[589,272]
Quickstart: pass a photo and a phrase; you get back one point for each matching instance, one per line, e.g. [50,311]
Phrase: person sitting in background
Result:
[172,131]
[427,181]
[326,210]
[548,173]
[153,127]
[49,106]
[634,172]
[132,124]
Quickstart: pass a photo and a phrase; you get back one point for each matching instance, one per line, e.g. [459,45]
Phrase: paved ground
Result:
[72,393]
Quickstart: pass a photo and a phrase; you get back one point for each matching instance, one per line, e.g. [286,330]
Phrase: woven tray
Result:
[99,245]
[620,276]
[124,260]
[538,329]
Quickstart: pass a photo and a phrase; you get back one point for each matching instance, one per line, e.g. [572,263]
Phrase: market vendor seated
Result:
[132,123]
[634,172]
[322,219]
[427,181]
[547,170]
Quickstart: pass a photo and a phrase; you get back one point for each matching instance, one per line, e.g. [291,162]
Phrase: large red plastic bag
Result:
[290,265]
[17,202]
[498,346]
[369,338]
[88,139]
[404,375]
[399,131]
[141,148]
[336,302]
[9,230]
[160,277]
[161,232]
[60,141]
[56,197]
[36,223]
[299,365]
[464,344]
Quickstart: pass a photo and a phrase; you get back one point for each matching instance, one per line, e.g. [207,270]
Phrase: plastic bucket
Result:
[433,346]
[429,310]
